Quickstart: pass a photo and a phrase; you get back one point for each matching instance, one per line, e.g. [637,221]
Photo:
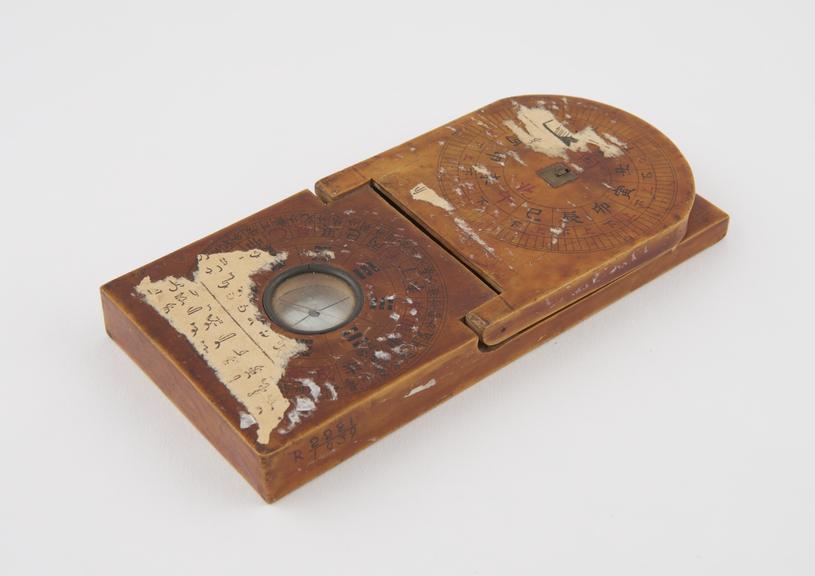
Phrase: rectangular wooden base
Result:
[313,451]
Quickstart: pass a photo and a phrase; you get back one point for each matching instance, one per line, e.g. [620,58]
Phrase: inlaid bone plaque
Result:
[305,332]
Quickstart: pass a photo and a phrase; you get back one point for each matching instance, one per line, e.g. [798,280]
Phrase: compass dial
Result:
[534,176]
[362,293]
[313,299]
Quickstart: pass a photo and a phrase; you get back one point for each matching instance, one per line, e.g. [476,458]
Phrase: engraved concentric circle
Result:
[622,192]
[403,296]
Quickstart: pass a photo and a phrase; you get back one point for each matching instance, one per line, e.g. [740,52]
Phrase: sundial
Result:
[302,334]
[544,187]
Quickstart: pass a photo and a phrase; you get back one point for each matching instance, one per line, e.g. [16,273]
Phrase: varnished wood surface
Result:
[367,224]
[541,247]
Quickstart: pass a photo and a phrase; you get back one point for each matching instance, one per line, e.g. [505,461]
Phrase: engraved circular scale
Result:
[312,299]
[563,175]
[547,197]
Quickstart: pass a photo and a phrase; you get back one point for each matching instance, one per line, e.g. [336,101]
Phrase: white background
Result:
[671,434]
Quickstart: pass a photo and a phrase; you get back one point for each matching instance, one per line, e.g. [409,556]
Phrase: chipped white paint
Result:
[544,133]
[614,140]
[382,355]
[323,253]
[217,314]
[246,420]
[489,177]
[394,316]
[556,232]
[312,386]
[404,348]
[473,236]
[303,407]
[421,388]
[425,193]
[514,155]
[331,390]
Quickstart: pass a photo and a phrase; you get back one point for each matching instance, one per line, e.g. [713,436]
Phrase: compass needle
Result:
[334,304]
[296,305]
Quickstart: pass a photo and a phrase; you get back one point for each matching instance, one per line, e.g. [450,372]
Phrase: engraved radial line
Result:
[238,324]
[472,130]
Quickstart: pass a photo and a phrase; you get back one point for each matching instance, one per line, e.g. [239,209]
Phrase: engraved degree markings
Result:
[476,175]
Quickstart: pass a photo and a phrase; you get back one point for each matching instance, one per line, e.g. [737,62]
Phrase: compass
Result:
[313,299]
[361,291]
[307,331]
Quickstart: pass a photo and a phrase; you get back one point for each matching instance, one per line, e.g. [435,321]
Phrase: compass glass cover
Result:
[313,300]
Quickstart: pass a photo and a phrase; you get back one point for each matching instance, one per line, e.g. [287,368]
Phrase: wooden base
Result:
[313,450]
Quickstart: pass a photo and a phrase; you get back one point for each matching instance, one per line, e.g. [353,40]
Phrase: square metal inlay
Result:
[557,174]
